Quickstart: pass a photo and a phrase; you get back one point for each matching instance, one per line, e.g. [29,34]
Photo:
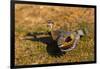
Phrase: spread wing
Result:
[67,42]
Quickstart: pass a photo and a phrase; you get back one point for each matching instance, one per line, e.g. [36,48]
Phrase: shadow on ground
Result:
[52,47]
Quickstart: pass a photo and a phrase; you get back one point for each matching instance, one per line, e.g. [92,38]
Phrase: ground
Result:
[33,18]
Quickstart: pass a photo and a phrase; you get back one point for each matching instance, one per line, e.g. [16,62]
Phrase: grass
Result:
[32,18]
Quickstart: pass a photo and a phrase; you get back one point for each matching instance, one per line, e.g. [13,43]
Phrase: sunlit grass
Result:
[30,19]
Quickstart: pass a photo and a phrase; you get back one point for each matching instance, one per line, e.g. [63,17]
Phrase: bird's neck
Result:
[50,27]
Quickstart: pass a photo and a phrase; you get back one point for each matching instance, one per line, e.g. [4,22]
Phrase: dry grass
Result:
[32,18]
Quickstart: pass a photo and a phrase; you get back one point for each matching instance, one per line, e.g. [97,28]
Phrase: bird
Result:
[66,40]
